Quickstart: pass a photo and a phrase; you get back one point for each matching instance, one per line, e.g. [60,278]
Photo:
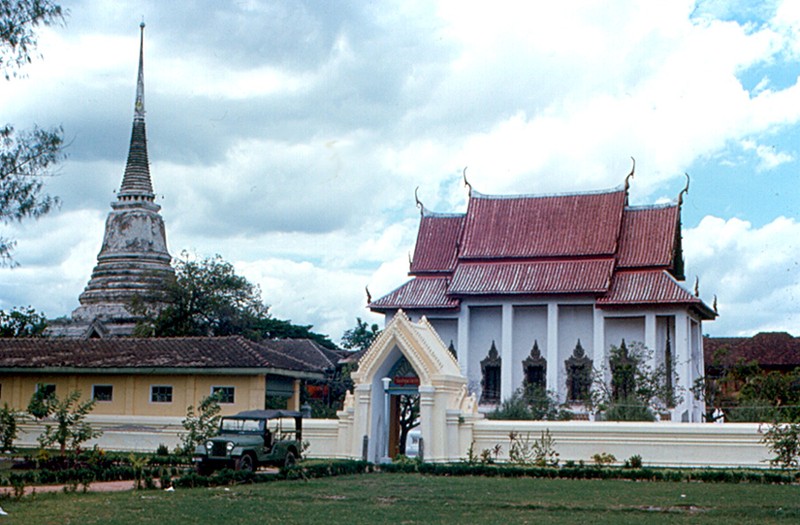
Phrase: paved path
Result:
[97,486]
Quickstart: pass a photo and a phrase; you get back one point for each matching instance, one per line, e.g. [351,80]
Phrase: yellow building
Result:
[161,376]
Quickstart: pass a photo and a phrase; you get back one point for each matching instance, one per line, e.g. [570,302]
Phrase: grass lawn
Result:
[412,498]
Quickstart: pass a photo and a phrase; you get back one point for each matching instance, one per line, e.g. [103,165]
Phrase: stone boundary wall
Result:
[662,444]
[659,444]
[145,434]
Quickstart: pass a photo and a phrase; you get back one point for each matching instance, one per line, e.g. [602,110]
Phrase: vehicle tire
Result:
[203,469]
[290,460]
[245,463]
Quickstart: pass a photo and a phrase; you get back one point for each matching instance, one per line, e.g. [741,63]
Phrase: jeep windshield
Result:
[242,426]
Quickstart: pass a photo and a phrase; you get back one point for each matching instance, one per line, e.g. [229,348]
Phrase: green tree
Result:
[201,425]
[8,428]
[25,156]
[22,322]
[361,336]
[208,298]
[69,415]
[636,389]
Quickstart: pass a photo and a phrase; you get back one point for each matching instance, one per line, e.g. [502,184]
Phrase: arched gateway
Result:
[408,357]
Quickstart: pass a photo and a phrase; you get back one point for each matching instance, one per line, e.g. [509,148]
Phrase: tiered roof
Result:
[582,243]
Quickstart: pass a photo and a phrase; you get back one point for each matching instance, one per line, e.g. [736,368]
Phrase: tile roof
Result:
[585,224]
[169,352]
[639,287]
[437,242]
[647,237]
[421,292]
[768,349]
[572,276]
[586,243]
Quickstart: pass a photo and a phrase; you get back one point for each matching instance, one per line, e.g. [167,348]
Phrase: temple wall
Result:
[484,328]
[530,324]
[659,444]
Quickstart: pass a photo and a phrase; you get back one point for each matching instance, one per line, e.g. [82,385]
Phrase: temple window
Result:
[623,374]
[579,375]
[490,373]
[535,369]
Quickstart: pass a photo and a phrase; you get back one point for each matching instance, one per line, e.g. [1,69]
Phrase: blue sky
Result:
[289,136]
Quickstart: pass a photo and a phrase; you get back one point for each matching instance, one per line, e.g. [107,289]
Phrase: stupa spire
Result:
[136,183]
[133,262]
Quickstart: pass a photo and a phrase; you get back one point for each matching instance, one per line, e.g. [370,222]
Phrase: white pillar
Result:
[387,411]
[683,363]
[463,341]
[650,339]
[431,446]
[553,365]
[507,352]
[599,356]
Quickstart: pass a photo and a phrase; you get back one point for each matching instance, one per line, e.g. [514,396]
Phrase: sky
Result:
[289,137]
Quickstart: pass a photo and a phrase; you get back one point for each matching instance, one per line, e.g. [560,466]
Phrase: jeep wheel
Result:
[245,463]
[290,460]
[203,469]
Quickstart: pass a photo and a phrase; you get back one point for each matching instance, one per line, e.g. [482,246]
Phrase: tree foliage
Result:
[743,391]
[361,336]
[530,403]
[19,20]
[201,425]
[22,322]
[8,428]
[636,390]
[208,298]
[69,415]
[25,156]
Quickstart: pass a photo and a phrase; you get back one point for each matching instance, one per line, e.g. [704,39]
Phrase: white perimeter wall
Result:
[663,444]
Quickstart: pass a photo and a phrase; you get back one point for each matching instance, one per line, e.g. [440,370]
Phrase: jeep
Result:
[251,439]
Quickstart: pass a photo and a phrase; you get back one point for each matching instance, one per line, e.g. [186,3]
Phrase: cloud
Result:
[289,137]
[755,272]
[768,157]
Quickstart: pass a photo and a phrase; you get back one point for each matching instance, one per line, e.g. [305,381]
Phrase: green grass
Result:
[413,498]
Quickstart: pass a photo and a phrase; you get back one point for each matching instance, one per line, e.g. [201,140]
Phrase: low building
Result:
[162,376]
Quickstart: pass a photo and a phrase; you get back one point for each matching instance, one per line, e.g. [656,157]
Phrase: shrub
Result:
[783,440]
[604,458]
[8,428]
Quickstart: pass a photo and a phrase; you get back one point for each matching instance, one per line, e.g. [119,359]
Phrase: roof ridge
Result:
[616,189]
[661,206]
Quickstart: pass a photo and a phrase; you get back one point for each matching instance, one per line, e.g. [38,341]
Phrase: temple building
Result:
[537,289]
[133,259]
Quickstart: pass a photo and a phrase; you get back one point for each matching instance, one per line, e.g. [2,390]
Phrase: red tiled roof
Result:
[574,276]
[647,238]
[169,352]
[437,239]
[768,349]
[421,292]
[638,287]
[584,224]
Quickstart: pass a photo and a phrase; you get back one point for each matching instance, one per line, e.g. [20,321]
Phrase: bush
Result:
[629,409]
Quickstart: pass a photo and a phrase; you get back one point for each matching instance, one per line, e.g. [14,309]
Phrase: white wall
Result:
[484,327]
[663,444]
[530,324]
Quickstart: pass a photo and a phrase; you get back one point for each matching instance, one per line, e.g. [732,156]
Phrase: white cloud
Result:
[755,272]
[768,156]
[289,138]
